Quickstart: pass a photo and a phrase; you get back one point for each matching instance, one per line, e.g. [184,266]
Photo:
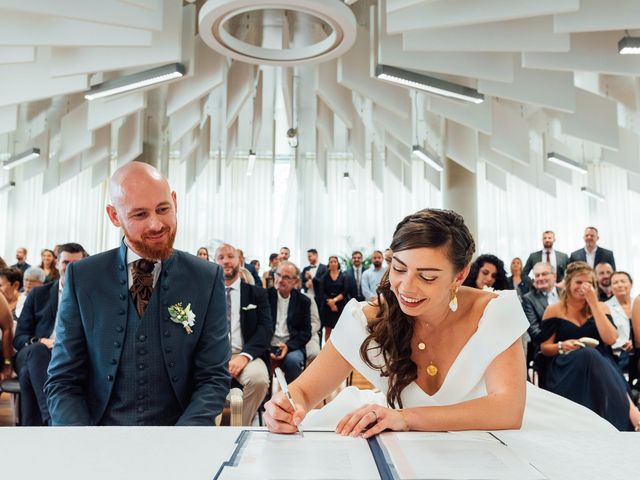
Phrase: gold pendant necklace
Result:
[432,370]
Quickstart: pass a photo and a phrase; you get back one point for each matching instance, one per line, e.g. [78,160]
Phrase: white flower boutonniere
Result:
[183,316]
[251,306]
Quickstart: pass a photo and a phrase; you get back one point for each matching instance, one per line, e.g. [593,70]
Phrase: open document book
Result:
[389,456]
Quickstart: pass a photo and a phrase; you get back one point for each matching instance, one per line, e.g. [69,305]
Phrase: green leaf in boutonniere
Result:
[183,316]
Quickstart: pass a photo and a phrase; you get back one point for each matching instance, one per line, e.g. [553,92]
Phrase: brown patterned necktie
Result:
[142,287]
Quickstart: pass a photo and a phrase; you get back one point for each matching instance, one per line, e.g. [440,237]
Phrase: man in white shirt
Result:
[548,254]
[354,276]
[371,277]
[290,310]
[591,252]
[250,327]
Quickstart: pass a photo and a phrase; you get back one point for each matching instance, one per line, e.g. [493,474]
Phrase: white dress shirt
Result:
[623,324]
[282,330]
[236,332]
[552,296]
[591,257]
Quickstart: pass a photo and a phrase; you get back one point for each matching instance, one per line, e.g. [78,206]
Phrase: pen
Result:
[285,390]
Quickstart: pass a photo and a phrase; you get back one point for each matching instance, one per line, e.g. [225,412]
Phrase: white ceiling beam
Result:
[597,15]
[354,72]
[240,84]
[74,135]
[100,172]
[209,72]
[130,138]
[628,154]
[495,176]
[462,145]
[10,55]
[445,13]
[38,165]
[16,28]
[101,148]
[8,118]
[377,169]
[324,123]
[106,110]
[337,97]
[398,126]
[394,163]
[165,48]
[407,175]
[523,35]
[591,52]
[510,132]
[357,138]
[476,116]
[112,12]
[633,182]
[546,88]
[595,120]
[148,4]
[231,143]
[184,120]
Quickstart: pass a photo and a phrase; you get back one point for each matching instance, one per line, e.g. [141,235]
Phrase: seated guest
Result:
[21,257]
[6,326]
[35,337]
[203,253]
[588,376]
[620,306]
[371,277]
[313,345]
[534,303]
[250,331]
[10,286]
[591,252]
[487,271]
[517,281]
[548,254]
[256,266]
[142,337]
[353,276]
[333,295]
[603,279]
[267,277]
[248,269]
[48,264]
[291,316]
[33,277]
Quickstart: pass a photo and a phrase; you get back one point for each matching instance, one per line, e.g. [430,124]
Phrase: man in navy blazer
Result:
[141,333]
[35,337]
[591,252]
[291,314]
[354,276]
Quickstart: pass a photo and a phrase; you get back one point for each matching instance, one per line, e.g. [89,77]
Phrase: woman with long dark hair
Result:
[585,375]
[333,292]
[487,271]
[48,264]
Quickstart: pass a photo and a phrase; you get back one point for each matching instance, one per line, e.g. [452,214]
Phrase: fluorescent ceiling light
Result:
[563,161]
[136,81]
[592,193]
[251,163]
[427,157]
[349,181]
[629,46]
[21,158]
[428,84]
[7,187]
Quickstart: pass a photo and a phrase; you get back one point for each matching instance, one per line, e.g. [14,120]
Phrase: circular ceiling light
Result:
[278,32]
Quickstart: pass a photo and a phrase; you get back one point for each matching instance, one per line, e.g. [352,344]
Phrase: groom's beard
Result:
[153,251]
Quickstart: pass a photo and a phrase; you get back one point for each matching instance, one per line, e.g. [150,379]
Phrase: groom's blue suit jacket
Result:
[92,323]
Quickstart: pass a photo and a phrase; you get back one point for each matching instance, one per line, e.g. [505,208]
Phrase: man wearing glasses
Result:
[290,311]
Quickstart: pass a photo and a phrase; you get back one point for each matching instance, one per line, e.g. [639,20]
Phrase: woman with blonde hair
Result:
[580,333]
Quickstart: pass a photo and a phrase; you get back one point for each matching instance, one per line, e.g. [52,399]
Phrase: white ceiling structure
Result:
[549,70]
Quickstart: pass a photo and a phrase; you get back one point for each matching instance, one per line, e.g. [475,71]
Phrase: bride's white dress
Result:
[502,323]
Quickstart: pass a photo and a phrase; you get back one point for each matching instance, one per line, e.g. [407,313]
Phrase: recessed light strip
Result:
[136,81]
[428,84]
[563,161]
[592,193]
[21,158]
[429,159]
[629,46]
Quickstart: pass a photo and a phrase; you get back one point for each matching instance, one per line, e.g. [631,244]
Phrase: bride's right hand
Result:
[280,416]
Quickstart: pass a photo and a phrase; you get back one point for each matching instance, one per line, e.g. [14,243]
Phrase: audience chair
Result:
[12,387]
[231,415]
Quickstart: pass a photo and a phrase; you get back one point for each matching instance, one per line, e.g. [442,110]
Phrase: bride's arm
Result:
[502,408]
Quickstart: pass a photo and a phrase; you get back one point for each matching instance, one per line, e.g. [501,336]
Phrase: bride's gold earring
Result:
[453,302]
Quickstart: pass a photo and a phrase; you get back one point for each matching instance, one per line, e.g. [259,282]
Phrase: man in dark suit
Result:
[312,272]
[354,276]
[603,279]
[35,337]
[291,315]
[142,337]
[558,260]
[21,260]
[591,252]
[250,327]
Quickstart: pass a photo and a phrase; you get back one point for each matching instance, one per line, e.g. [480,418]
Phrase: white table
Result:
[177,453]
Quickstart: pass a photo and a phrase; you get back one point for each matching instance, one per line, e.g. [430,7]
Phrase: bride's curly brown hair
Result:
[390,332]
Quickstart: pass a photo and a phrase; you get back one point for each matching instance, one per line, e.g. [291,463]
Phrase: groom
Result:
[128,349]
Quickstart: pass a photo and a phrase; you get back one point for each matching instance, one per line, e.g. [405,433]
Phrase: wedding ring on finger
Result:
[375,415]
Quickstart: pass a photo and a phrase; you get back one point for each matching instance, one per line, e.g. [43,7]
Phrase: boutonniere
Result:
[251,306]
[183,316]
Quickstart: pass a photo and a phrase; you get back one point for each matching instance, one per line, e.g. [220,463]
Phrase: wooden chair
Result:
[12,387]
[231,415]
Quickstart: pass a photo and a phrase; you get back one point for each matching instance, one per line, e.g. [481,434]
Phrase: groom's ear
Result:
[113,215]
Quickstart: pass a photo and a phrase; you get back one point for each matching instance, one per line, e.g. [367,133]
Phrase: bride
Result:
[445,357]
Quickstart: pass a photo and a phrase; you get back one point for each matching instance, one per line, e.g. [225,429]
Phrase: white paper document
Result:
[459,456]
[312,456]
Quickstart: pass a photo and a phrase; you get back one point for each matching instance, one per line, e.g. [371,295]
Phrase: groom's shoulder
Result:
[98,260]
